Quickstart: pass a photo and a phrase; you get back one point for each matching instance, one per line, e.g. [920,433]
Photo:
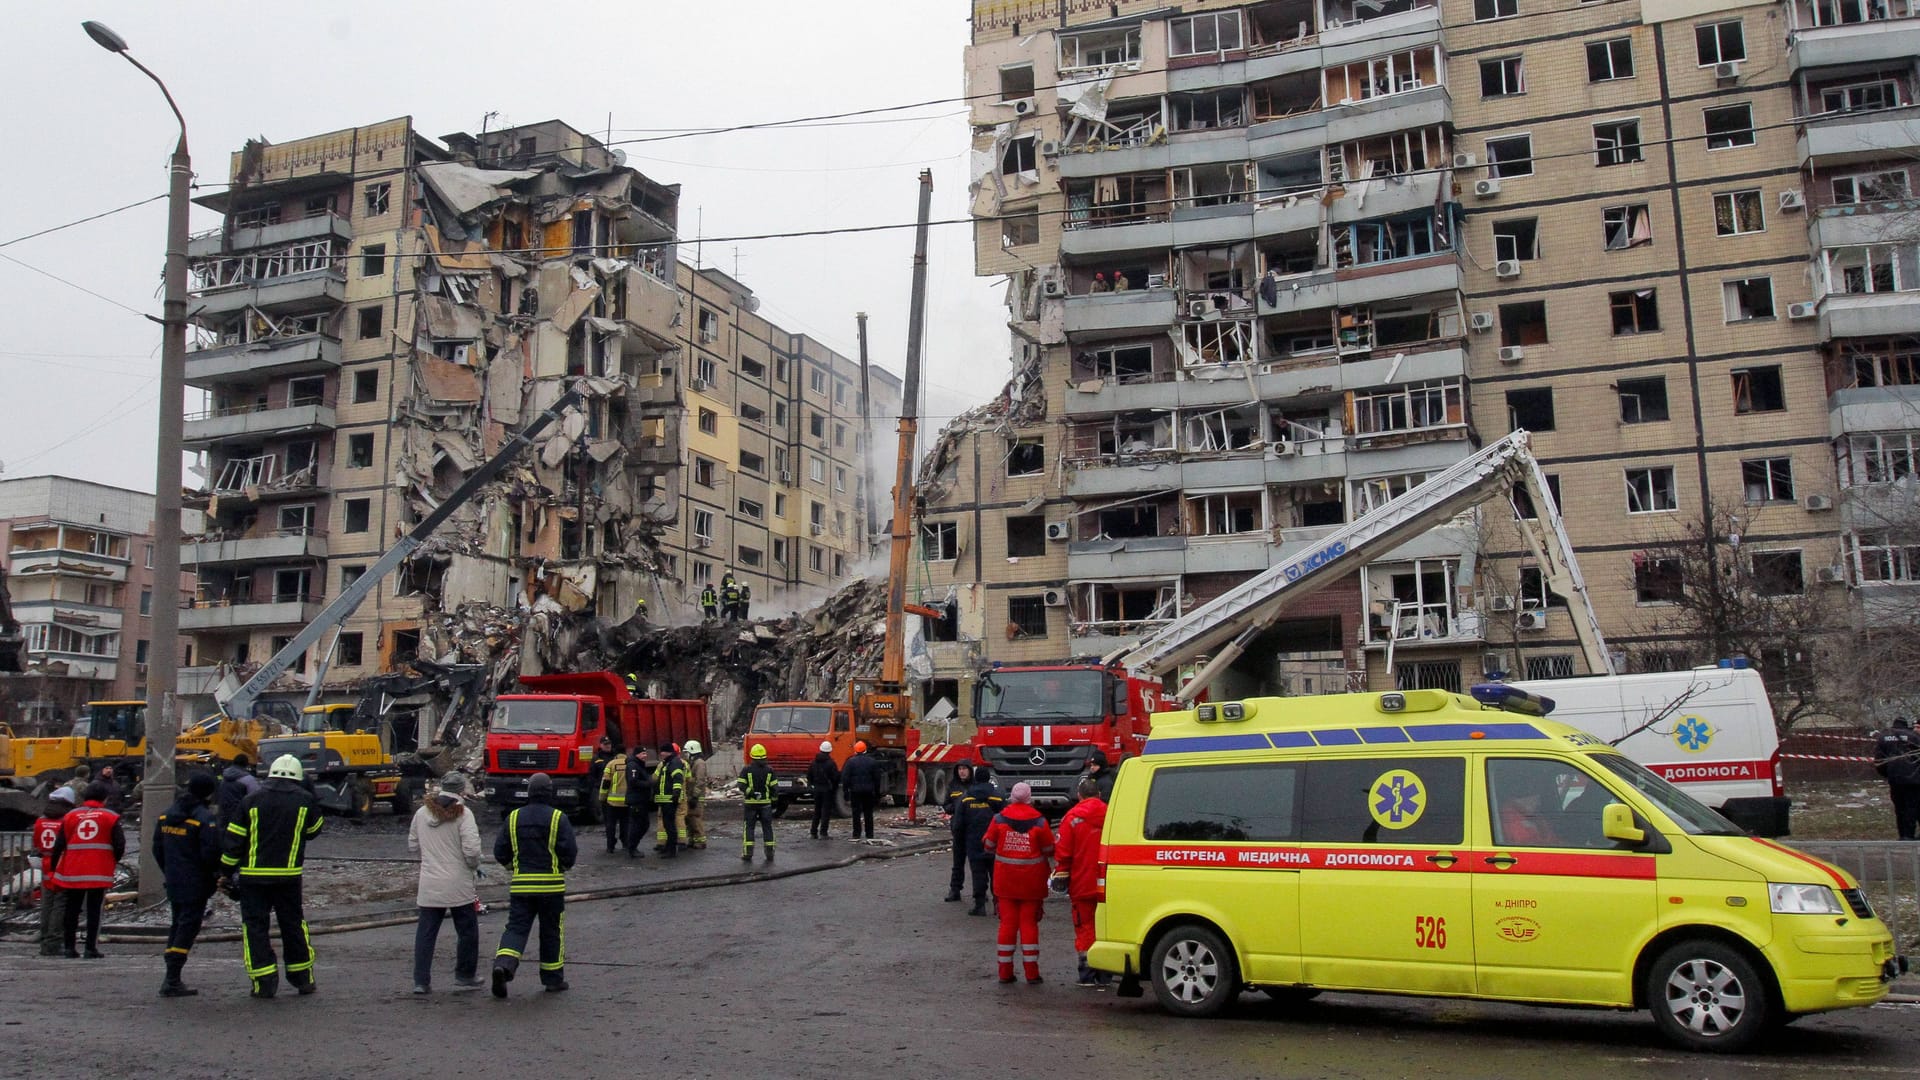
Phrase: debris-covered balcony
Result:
[1828,33]
[1417,603]
[293,279]
[241,474]
[297,406]
[1105,614]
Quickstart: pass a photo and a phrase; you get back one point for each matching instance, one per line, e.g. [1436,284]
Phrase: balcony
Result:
[286,546]
[1368,283]
[1135,309]
[1179,148]
[59,561]
[1883,314]
[1872,42]
[214,615]
[256,422]
[74,614]
[295,294]
[1873,408]
[318,227]
[304,354]
[1168,556]
[1867,135]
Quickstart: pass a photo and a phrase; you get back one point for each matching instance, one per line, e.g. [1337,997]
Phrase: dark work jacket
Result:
[956,793]
[639,781]
[536,842]
[977,809]
[757,783]
[236,784]
[186,844]
[862,775]
[1104,778]
[823,773]
[1897,756]
[267,836]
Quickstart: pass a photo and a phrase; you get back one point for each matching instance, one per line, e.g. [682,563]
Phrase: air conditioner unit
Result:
[1058,530]
[786,478]
[1480,321]
[1512,354]
[697,385]
[1500,603]
[1053,287]
[1055,597]
[1023,107]
[1819,502]
[1830,575]
[1486,189]
[1199,309]
[1727,71]
[1465,161]
[1792,200]
[1807,310]
[703,541]
[1282,448]
[818,528]
[1507,268]
[1535,619]
[1050,148]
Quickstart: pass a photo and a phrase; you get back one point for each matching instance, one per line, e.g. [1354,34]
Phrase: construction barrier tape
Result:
[1841,738]
[1825,757]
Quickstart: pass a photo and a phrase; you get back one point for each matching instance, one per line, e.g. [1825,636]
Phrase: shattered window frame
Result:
[704,471]
[939,541]
[350,650]
[360,450]
[1027,455]
[709,422]
[373,260]
[1652,490]
[703,525]
[750,508]
[377,198]
[371,319]
[750,556]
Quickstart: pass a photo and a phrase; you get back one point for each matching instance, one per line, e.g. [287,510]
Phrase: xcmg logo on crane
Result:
[1316,560]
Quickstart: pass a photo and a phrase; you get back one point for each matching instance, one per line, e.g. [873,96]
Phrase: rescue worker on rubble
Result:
[956,825]
[639,803]
[53,900]
[669,800]
[746,599]
[823,777]
[709,603]
[729,598]
[266,850]
[863,779]
[696,816]
[640,609]
[633,684]
[186,844]
[614,797]
[537,844]
[85,854]
[1022,846]
[983,802]
[1079,872]
[756,786]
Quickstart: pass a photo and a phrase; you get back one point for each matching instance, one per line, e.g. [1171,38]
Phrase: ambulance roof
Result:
[1338,721]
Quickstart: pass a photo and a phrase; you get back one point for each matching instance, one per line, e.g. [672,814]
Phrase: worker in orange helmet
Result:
[863,780]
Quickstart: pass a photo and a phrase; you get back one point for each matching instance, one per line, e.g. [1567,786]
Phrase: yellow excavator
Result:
[348,754]
[115,733]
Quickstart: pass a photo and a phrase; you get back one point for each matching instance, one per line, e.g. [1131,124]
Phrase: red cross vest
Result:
[87,862]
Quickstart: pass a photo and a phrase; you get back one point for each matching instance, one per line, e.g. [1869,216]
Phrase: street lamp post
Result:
[163,656]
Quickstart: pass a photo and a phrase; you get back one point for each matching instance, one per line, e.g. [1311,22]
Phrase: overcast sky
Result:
[90,134]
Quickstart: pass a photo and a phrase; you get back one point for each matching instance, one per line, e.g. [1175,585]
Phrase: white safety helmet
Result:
[692,746]
[826,747]
[286,767]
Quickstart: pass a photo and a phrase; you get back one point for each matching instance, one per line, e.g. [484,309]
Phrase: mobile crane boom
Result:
[1222,628]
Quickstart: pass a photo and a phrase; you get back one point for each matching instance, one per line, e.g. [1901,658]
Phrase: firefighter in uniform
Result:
[186,844]
[746,598]
[266,849]
[85,853]
[694,822]
[614,799]
[536,843]
[730,599]
[640,609]
[757,783]
[709,603]
[633,684]
[1021,845]
[669,790]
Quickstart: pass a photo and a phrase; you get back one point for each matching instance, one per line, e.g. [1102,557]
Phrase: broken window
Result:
[1020,228]
[1530,409]
[1626,226]
[1027,456]
[702,572]
[752,462]
[1517,240]
[1209,111]
[704,471]
[1381,241]
[1100,48]
[1131,521]
[1380,76]
[751,413]
[1510,157]
[1215,341]
[709,422]
[1199,35]
[780,550]
[1651,490]
[752,509]
[360,451]
[1748,298]
[1758,389]
[378,197]
[1764,480]
[750,556]
[1026,536]
[1738,212]
[703,526]
[1719,43]
[1730,126]
[1894,362]
[839,478]
[816,558]
[309,390]
[1016,82]
[1407,408]
[1222,430]
[1524,323]
[1285,96]
[350,649]
[373,260]
[939,541]
[1026,616]
[1125,434]
[370,318]
[1877,186]
[1616,142]
[298,520]
[839,434]
[254,217]
[1021,155]
[1657,580]
[1610,59]
[1643,401]
[1411,601]
[817,425]
[1224,514]
[709,324]
[1523,507]
[1880,268]
[1634,312]
[752,368]
[1503,77]
[1117,363]
[1779,573]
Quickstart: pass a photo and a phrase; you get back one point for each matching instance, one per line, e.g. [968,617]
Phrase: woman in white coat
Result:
[447,839]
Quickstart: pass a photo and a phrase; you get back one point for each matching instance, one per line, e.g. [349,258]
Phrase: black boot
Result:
[979,908]
[266,986]
[173,987]
[953,896]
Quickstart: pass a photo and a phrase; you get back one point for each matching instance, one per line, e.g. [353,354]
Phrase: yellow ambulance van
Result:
[1430,843]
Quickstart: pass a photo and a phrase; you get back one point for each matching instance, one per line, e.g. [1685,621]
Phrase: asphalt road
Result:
[852,972]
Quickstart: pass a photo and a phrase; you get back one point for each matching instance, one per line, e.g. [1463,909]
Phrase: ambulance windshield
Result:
[1017,696]
[1686,811]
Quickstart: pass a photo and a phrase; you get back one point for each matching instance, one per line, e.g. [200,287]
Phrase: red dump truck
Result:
[556,726]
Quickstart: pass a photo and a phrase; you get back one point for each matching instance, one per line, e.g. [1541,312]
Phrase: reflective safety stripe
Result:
[1403,859]
[1007,860]
[86,881]
[504,951]
[299,834]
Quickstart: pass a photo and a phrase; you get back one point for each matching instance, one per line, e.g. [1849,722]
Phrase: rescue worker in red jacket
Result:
[1079,872]
[88,849]
[1022,846]
[53,902]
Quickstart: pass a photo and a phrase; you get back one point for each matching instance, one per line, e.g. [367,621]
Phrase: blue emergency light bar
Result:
[1511,699]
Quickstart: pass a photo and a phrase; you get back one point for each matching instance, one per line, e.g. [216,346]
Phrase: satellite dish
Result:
[619,157]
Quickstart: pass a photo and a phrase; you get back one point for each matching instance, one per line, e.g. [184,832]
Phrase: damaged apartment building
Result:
[1271,264]
[374,316]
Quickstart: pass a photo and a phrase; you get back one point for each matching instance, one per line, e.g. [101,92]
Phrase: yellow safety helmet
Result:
[759,751]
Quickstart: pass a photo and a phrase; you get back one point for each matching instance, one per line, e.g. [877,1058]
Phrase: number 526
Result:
[1429,932]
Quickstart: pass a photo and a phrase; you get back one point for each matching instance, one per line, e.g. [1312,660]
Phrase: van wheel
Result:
[1194,973]
[1706,996]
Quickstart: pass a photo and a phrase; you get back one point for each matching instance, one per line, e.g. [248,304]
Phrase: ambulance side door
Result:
[1385,903]
[1559,911]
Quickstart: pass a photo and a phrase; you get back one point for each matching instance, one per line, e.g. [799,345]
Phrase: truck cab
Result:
[792,732]
[1040,724]
[556,726]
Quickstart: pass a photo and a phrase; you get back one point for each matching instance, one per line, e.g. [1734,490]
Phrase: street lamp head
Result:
[104,36]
